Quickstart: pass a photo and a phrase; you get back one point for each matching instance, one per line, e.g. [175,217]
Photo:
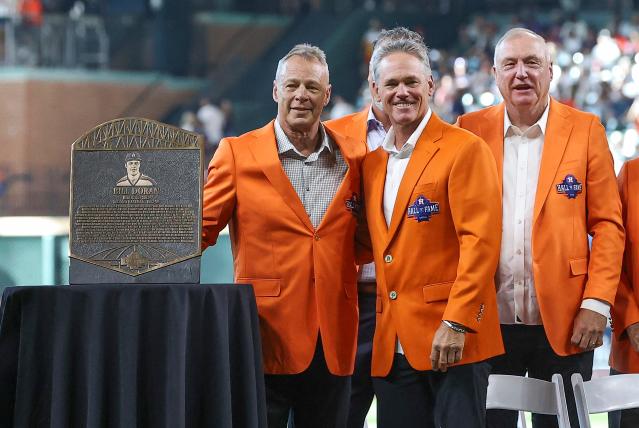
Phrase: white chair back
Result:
[604,394]
[530,395]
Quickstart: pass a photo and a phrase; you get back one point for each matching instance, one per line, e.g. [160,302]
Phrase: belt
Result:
[367,288]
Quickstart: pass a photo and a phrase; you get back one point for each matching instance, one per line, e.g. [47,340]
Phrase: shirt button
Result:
[518,252]
[392,295]
[388,259]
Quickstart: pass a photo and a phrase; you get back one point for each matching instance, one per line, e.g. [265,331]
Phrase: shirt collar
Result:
[542,122]
[284,144]
[371,121]
[407,149]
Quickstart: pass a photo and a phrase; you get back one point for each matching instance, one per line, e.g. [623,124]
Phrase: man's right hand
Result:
[447,349]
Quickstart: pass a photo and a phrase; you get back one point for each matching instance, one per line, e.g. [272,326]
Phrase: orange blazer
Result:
[441,268]
[353,125]
[565,270]
[625,312]
[304,280]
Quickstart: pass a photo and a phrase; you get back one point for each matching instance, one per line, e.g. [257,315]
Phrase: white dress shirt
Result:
[375,134]
[397,163]
[395,168]
[516,296]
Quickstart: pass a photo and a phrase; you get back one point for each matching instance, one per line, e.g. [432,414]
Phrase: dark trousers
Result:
[408,398]
[628,418]
[361,383]
[315,398]
[528,351]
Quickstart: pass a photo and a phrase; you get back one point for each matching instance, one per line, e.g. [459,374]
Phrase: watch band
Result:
[455,326]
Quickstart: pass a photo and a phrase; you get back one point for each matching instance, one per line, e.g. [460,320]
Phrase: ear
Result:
[551,71]
[327,97]
[275,96]
[431,85]
[494,71]
[375,92]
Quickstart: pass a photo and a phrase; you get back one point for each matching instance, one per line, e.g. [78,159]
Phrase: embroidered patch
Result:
[422,209]
[570,187]
[353,204]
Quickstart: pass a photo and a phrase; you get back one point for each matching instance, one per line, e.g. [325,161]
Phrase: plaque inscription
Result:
[135,198]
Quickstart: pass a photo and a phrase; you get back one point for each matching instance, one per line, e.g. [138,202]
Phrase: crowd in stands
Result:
[213,121]
[596,69]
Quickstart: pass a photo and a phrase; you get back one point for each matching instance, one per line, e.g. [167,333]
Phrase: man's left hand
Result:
[588,329]
[633,335]
[447,349]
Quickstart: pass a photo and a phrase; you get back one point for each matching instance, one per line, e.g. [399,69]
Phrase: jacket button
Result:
[317,238]
[393,295]
[388,258]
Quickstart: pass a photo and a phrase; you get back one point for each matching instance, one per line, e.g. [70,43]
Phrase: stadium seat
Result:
[604,394]
[527,394]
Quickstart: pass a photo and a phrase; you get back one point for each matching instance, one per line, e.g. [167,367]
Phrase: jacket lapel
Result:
[264,149]
[359,127]
[345,191]
[492,131]
[374,196]
[555,141]
[425,149]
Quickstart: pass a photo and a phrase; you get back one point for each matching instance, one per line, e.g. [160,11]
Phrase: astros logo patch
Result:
[353,204]
[570,187]
[422,209]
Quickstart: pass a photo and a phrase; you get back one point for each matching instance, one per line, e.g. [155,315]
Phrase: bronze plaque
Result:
[136,199]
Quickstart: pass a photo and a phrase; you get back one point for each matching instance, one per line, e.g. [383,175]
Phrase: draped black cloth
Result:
[158,356]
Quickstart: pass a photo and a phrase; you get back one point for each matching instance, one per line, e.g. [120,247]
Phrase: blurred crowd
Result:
[212,120]
[596,69]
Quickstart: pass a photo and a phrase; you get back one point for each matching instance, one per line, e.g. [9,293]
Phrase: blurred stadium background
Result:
[208,65]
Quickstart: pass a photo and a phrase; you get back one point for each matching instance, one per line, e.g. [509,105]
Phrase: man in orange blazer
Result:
[432,208]
[368,127]
[624,355]
[557,187]
[290,192]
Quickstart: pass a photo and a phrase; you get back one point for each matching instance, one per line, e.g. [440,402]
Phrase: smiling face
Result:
[403,86]
[301,93]
[523,73]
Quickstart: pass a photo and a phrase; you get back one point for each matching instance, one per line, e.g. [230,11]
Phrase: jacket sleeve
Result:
[219,193]
[625,311]
[604,220]
[475,205]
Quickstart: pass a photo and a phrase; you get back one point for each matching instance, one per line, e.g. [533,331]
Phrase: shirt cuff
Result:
[598,306]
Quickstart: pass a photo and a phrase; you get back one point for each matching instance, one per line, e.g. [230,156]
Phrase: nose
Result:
[301,93]
[402,90]
[520,70]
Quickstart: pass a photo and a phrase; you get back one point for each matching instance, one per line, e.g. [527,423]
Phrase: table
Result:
[130,356]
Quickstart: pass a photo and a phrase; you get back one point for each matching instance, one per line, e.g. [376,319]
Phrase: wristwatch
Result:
[454,326]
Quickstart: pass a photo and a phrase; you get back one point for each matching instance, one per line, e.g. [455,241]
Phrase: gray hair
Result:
[518,32]
[399,39]
[304,50]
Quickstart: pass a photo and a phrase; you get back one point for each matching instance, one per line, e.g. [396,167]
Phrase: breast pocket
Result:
[426,189]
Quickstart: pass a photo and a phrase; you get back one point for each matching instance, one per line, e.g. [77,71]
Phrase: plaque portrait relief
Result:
[133,175]
[145,226]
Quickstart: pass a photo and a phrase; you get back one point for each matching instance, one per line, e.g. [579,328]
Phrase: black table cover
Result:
[159,356]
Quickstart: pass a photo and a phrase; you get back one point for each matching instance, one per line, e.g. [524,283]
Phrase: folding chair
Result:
[530,395]
[604,394]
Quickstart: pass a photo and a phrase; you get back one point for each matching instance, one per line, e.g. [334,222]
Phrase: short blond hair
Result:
[304,50]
